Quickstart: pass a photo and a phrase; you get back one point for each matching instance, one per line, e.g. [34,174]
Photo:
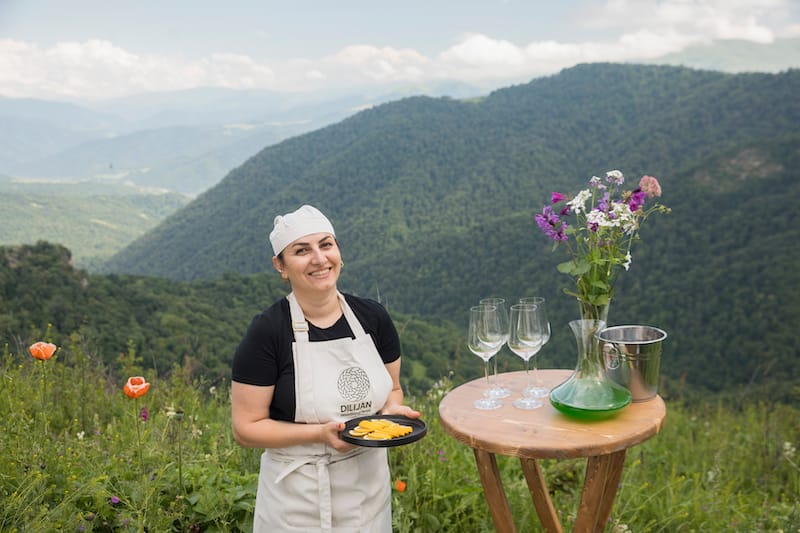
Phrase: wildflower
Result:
[615,177]
[627,263]
[442,456]
[650,186]
[136,387]
[81,434]
[578,204]
[636,200]
[42,350]
[144,413]
[557,197]
[212,391]
[114,500]
[551,224]
[400,485]
[596,183]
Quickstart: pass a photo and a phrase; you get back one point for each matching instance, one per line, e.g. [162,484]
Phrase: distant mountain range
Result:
[187,141]
[184,141]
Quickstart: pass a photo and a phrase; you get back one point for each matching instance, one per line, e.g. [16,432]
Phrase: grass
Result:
[78,455]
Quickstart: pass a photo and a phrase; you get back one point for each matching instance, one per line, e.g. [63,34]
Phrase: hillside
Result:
[93,219]
[164,323]
[433,201]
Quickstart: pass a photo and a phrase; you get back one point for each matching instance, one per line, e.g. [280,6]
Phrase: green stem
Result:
[44,398]
[180,454]
[138,434]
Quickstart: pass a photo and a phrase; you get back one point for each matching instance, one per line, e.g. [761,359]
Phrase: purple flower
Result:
[557,197]
[602,205]
[114,500]
[637,200]
[551,225]
[144,413]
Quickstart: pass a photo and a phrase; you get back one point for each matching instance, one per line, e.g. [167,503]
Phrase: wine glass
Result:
[525,340]
[485,337]
[497,390]
[537,389]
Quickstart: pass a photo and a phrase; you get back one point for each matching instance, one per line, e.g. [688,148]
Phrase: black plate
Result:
[418,430]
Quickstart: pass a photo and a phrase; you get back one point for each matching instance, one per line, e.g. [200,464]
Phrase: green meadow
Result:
[79,455]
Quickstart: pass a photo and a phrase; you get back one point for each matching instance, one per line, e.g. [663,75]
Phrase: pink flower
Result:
[650,186]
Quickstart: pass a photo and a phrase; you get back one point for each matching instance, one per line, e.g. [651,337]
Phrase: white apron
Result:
[312,487]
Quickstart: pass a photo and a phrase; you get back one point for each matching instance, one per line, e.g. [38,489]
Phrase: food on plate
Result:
[379,429]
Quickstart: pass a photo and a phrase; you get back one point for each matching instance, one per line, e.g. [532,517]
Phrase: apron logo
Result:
[354,386]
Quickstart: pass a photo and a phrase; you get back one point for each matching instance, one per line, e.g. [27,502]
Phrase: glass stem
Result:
[527,372]
[486,371]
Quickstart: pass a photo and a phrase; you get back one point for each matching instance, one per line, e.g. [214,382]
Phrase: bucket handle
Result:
[611,356]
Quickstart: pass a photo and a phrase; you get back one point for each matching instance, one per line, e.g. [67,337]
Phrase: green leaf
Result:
[566,267]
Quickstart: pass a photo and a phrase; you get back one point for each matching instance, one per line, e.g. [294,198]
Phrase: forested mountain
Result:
[433,202]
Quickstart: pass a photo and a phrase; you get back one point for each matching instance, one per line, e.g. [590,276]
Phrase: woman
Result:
[306,364]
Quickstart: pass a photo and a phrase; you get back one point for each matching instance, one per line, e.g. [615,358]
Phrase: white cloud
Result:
[638,29]
[99,69]
[752,20]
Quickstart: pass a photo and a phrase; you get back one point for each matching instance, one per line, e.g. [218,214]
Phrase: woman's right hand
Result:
[330,436]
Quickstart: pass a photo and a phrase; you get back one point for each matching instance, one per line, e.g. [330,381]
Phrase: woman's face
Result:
[310,263]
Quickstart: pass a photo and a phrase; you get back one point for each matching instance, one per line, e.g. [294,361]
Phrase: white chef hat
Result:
[291,226]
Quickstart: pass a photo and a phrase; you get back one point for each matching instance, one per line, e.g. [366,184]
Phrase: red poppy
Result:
[42,350]
[136,387]
[400,485]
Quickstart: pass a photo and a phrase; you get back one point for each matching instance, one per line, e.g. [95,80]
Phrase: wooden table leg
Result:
[541,497]
[603,473]
[494,492]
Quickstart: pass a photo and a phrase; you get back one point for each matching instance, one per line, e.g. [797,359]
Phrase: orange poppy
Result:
[42,350]
[400,485]
[136,387]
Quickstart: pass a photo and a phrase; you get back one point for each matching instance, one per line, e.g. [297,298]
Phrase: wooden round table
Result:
[545,433]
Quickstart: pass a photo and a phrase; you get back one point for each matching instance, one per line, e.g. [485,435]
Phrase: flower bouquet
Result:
[599,238]
[606,223]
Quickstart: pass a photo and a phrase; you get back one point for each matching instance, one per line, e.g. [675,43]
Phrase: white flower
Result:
[597,183]
[615,176]
[81,434]
[578,204]
[599,218]
[627,263]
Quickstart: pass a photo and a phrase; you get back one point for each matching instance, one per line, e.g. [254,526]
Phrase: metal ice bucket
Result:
[632,356]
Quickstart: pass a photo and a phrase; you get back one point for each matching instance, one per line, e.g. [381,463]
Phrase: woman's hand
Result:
[402,410]
[330,436]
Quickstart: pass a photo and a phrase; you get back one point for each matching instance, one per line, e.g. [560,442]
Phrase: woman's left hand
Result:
[402,410]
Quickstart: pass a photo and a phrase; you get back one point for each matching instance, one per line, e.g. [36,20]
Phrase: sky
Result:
[101,49]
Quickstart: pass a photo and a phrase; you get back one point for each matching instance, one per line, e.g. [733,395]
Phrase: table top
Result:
[543,433]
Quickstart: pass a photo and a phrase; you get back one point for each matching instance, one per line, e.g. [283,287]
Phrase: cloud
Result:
[752,20]
[99,69]
[617,30]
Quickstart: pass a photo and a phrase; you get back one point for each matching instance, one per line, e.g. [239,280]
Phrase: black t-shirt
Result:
[264,356]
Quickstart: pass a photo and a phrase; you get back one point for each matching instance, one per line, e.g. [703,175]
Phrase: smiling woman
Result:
[306,365]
